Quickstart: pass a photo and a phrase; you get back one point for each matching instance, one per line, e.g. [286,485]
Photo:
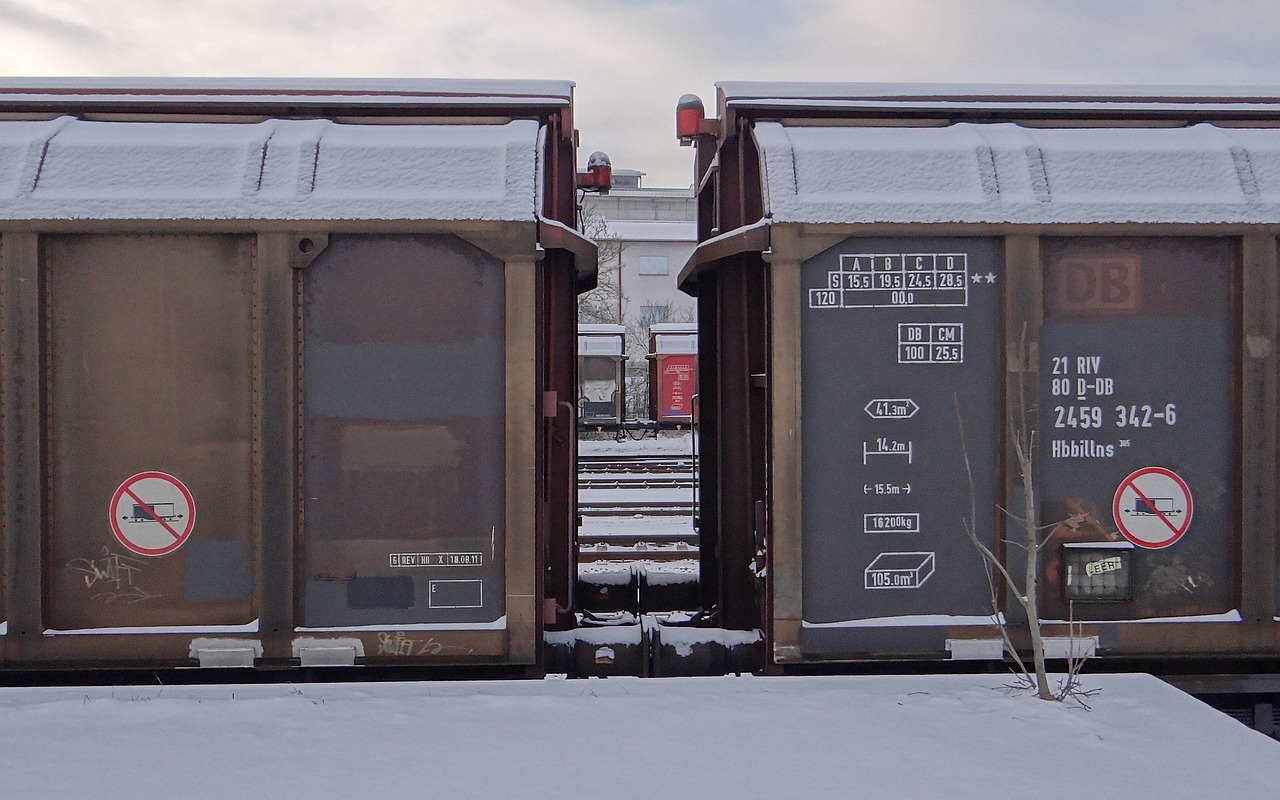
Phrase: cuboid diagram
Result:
[899,571]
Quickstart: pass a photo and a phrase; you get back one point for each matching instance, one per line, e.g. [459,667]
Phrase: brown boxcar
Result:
[286,370]
[895,282]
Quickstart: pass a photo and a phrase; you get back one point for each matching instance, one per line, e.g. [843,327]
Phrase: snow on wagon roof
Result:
[1080,98]
[278,169]
[1003,172]
[272,148]
[198,94]
[975,153]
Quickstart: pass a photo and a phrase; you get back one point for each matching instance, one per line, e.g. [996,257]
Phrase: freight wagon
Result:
[287,371]
[900,286]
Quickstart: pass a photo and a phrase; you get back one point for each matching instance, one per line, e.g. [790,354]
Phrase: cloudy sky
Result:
[632,59]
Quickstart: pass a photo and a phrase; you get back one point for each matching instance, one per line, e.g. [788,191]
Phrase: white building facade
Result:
[645,236]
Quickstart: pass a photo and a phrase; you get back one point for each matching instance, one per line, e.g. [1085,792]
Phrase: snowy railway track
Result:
[648,507]
[635,481]
[632,538]
[634,484]
[629,463]
[631,505]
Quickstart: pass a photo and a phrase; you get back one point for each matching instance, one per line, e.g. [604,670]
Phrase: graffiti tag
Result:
[397,644]
[113,575]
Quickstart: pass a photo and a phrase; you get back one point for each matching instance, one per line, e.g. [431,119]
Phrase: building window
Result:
[652,315]
[653,265]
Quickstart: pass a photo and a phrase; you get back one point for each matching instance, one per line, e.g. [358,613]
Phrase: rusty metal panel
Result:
[9,464]
[559,442]
[783,591]
[403,350]
[22,466]
[731,528]
[1139,376]
[523,580]
[278,255]
[6,465]
[150,425]
[1260,300]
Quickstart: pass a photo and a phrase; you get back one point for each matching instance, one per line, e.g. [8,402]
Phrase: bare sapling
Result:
[1034,539]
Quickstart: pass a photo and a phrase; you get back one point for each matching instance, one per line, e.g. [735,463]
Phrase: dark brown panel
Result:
[149,369]
[20,440]
[1139,425]
[1260,299]
[404,476]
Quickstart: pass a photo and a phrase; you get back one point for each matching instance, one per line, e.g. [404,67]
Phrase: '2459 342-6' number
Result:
[1143,416]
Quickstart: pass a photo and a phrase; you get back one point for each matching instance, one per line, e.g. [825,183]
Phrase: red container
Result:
[673,372]
[676,384]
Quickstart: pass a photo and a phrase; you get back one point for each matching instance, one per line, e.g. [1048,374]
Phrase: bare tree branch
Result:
[1037,537]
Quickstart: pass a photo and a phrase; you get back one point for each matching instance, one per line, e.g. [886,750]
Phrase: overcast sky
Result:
[632,59]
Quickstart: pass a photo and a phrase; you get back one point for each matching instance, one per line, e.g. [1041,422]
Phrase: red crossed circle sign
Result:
[1152,507]
[152,513]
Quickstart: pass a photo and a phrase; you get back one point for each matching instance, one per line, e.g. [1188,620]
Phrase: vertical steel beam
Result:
[733,319]
[710,425]
[555,557]
[1023,315]
[741,379]
[276,436]
[21,384]
[1257,568]
[750,612]
[559,183]
[704,188]
[783,594]
[729,199]
[734,412]
[524,593]
[558,514]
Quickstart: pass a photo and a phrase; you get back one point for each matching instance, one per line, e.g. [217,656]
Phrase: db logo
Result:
[1095,284]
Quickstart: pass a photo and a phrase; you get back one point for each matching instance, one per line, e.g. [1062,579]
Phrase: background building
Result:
[645,237]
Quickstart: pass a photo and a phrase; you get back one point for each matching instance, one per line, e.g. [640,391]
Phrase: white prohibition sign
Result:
[1152,507]
[152,513]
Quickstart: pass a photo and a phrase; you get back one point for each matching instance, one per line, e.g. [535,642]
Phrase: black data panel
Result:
[1138,421]
[900,342]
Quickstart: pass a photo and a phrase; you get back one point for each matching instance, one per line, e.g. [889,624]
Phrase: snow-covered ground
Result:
[749,737]
[674,443]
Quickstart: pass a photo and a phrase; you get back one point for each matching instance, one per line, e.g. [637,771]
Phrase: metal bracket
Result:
[226,652]
[975,649]
[313,652]
[306,247]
